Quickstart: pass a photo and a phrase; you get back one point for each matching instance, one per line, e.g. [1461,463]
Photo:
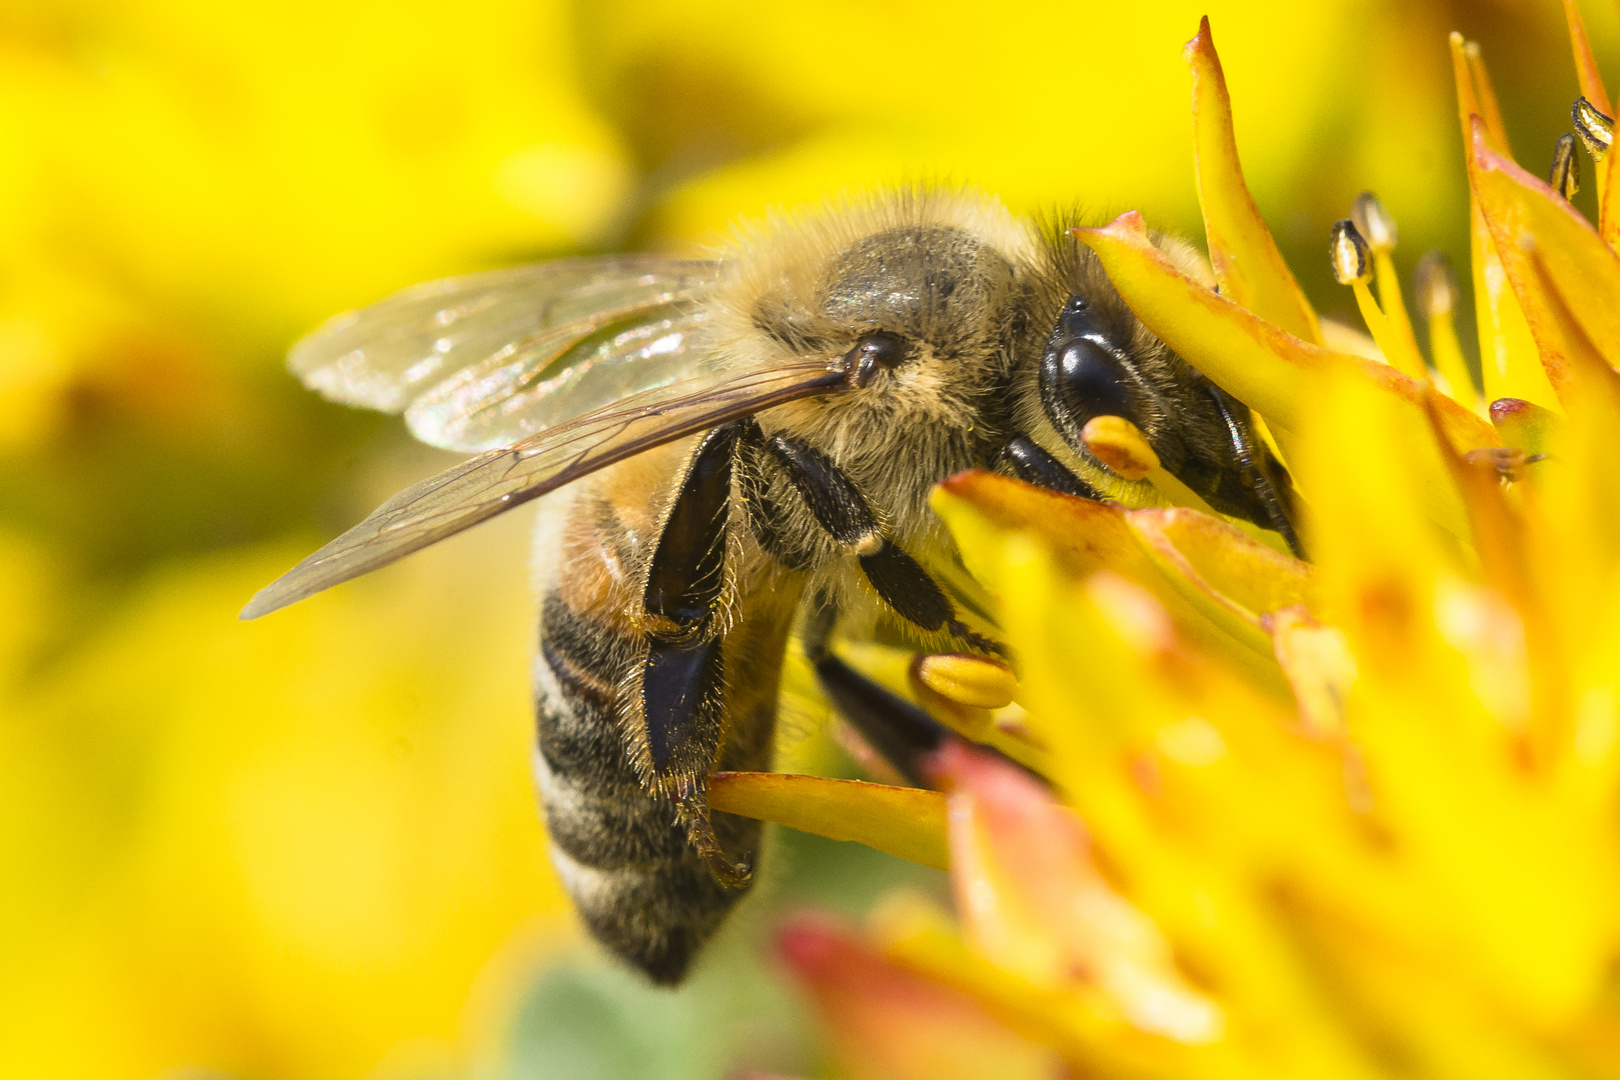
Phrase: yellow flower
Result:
[1356,818]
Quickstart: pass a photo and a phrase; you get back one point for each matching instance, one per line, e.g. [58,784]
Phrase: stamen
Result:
[1595,129]
[1120,445]
[1377,227]
[1437,295]
[1565,175]
[1352,261]
[1592,88]
[1529,427]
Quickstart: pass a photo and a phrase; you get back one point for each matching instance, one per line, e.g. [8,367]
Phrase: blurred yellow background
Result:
[308,846]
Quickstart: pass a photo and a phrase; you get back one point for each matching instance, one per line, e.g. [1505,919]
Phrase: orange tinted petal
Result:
[1032,900]
[906,822]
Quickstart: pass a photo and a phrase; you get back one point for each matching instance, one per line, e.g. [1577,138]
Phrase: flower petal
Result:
[1528,220]
[1319,666]
[889,1023]
[1245,258]
[1225,563]
[1032,900]
[905,822]
[1509,361]
[983,509]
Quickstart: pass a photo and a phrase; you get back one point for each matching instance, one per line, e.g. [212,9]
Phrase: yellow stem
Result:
[1394,305]
[1396,353]
[1449,363]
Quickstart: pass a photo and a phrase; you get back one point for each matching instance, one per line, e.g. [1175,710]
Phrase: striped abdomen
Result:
[633,874]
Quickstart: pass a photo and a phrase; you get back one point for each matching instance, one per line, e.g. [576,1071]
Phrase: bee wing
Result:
[561,373]
[386,355]
[498,480]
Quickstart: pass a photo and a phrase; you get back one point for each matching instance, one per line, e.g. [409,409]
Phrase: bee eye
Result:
[1082,376]
[887,350]
[1089,382]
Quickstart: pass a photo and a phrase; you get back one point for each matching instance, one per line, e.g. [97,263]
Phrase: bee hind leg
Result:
[683,679]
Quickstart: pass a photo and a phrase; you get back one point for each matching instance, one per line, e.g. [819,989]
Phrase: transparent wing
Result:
[385,355]
[498,480]
[558,374]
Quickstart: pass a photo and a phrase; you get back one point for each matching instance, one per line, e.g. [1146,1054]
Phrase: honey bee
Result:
[737,447]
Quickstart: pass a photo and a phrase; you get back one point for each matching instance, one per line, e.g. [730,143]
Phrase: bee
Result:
[736,447]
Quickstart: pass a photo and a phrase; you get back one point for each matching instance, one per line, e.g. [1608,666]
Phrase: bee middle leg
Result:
[682,680]
[901,732]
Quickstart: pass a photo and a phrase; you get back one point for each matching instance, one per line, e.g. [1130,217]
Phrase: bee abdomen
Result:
[638,884]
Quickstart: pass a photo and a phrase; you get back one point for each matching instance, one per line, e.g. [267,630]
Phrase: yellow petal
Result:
[1586,69]
[1245,258]
[1230,566]
[1319,666]
[1509,362]
[1083,536]
[905,822]
[1584,269]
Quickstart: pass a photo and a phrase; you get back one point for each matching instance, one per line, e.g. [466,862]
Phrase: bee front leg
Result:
[1252,461]
[1033,465]
[683,679]
[840,509]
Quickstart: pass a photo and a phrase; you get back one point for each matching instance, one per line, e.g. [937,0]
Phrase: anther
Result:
[1435,284]
[1348,252]
[1565,176]
[1120,445]
[1595,129]
[968,680]
[1373,222]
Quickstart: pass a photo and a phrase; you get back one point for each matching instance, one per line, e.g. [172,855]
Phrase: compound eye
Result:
[886,350]
[1089,382]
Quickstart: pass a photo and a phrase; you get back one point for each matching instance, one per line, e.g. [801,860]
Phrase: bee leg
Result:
[1252,460]
[898,578]
[900,731]
[682,681]
[765,512]
[1033,465]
